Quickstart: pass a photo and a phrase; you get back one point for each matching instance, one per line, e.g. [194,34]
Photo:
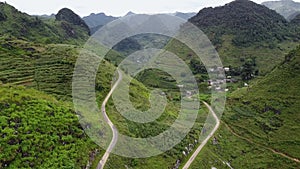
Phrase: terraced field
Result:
[47,68]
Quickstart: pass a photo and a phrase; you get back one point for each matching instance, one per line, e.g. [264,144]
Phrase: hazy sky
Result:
[115,7]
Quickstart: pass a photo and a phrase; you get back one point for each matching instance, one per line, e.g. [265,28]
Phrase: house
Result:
[211,69]
[227,69]
[180,86]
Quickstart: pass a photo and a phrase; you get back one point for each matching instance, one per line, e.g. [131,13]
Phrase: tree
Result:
[197,66]
[248,69]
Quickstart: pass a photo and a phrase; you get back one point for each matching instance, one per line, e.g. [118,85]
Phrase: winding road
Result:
[114,140]
[192,158]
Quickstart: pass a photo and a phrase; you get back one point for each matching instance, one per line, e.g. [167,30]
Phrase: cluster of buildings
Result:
[219,82]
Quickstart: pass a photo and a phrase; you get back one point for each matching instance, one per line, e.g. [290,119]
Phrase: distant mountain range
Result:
[185,16]
[52,16]
[287,8]
[96,21]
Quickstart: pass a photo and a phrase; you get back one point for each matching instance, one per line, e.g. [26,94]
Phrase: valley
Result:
[41,127]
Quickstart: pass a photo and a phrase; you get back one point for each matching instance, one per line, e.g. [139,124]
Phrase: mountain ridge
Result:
[21,25]
[247,21]
[286,8]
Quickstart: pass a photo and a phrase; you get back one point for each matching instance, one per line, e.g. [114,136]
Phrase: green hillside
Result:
[37,131]
[247,21]
[261,123]
[40,129]
[243,30]
[26,27]
[48,68]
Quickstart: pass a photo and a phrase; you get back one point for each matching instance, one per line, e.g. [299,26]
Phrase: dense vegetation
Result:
[48,68]
[37,131]
[23,26]
[246,20]
[270,109]
[39,128]
[242,30]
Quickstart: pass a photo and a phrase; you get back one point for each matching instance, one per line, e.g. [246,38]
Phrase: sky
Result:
[115,7]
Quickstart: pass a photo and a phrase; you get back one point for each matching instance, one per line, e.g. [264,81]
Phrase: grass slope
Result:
[48,68]
[261,124]
[24,26]
[37,131]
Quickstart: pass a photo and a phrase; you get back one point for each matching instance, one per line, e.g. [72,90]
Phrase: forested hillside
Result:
[259,128]
[37,131]
[26,27]
[39,127]
[243,30]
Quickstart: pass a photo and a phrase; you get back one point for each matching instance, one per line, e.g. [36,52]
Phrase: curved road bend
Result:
[113,142]
[192,158]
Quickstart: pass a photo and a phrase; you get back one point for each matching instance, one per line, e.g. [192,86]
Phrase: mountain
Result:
[243,30]
[24,26]
[260,126]
[185,16]
[68,15]
[296,19]
[286,8]
[271,105]
[33,65]
[292,16]
[21,25]
[40,129]
[247,21]
[130,13]
[96,21]
[52,16]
